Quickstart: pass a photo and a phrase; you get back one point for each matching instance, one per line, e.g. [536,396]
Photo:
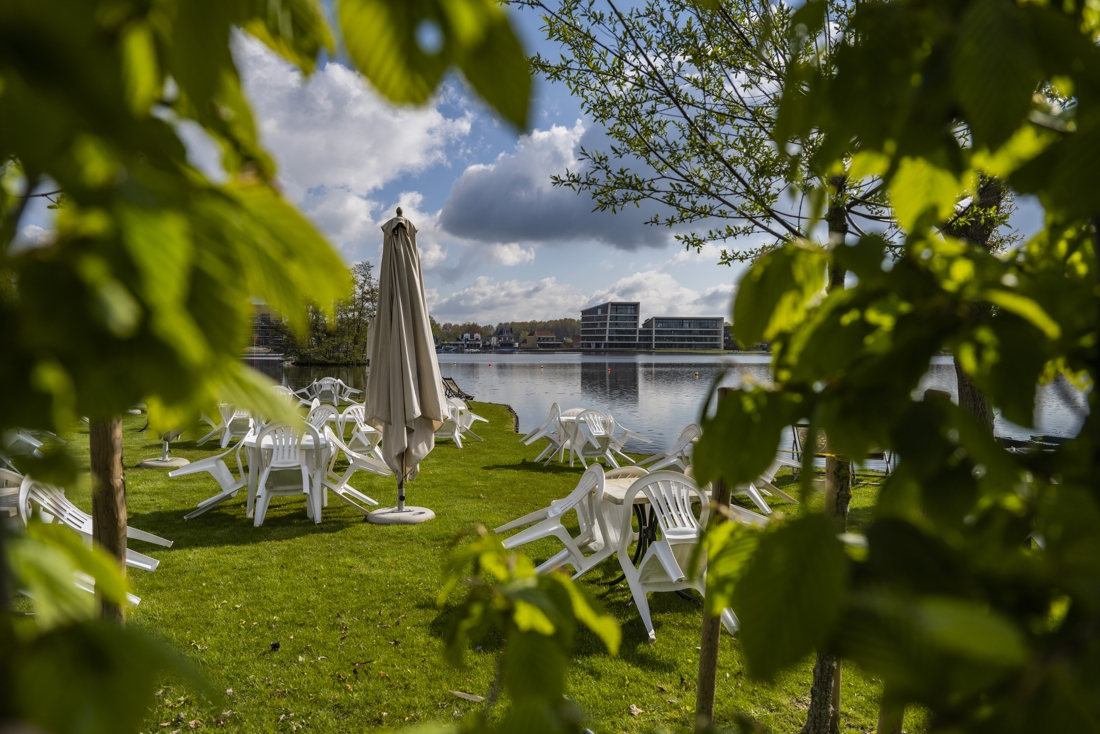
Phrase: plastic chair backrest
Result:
[687,437]
[321,415]
[670,496]
[51,500]
[596,421]
[285,445]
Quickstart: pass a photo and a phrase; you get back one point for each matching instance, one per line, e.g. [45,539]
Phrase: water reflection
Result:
[656,395]
[610,383]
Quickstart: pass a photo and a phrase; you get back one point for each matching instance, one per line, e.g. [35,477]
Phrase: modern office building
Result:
[610,326]
[675,332]
[615,325]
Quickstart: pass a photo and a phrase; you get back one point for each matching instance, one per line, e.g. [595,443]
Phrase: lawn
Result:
[352,606]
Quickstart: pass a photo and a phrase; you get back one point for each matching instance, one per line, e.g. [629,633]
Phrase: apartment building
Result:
[615,325]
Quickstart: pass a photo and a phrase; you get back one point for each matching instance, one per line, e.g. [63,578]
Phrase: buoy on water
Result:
[696,374]
[490,364]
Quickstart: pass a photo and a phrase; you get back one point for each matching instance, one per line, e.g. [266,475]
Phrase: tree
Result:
[687,93]
[142,293]
[342,339]
[964,596]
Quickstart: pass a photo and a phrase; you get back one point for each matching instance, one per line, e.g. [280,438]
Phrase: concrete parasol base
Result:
[392,516]
[174,462]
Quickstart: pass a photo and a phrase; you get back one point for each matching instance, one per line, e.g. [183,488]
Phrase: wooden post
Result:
[108,501]
[712,626]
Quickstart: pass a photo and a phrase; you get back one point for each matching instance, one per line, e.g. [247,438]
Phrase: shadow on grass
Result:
[537,468]
[225,525]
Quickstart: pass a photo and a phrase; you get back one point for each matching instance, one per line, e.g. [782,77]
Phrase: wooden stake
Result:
[108,501]
[710,636]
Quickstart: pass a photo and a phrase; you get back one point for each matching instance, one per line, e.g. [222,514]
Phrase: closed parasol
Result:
[404,398]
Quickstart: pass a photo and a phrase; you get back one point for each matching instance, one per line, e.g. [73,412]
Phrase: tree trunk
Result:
[710,636]
[976,224]
[824,714]
[890,714]
[108,501]
[972,399]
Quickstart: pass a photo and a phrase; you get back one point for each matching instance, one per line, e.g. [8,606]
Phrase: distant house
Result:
[503,338]
[542,340]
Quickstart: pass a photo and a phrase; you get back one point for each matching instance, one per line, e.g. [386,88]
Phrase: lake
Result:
[653,394]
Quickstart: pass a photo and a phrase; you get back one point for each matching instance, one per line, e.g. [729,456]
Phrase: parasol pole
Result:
[401,486]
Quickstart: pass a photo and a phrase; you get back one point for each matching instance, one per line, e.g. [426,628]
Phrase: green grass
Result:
[353,605]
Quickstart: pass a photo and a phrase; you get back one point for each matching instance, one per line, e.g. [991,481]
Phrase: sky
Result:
[498,242]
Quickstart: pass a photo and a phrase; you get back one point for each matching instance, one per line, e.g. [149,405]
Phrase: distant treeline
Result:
[343,341]
[562,328]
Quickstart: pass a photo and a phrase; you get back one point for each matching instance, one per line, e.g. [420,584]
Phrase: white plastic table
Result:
[255,461]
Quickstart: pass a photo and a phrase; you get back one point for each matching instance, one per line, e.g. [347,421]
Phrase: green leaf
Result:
[497,70]
[921,189]
[589,613]
[294,29]
[729,548]
[791,594]
[994,71]
[1025,308]
[380,36]
[140,70]
[101,678]
[965,629]
[44,560]
[773,295]
[740,440]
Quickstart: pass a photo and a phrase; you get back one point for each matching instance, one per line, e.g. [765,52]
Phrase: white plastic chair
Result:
[671,498]
[466,417]
[551,430]
[10,481]
[594,534]
[218,469]
[451,427]
[286,469]
[363,434]
[620,434]
[599,439]
[234,424]
[678,455]
[56,506]
[338,483]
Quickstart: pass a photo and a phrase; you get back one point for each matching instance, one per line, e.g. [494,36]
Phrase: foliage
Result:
[537,616]
[562,328]
[341,340]
[974,592]
[142,292]
[687,93]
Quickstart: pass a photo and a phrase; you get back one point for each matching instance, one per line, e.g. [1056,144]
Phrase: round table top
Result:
[249,441]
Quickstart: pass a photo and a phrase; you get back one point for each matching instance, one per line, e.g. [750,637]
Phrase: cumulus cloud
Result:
[513,200]
[489,300]
[661,295]
[337,141]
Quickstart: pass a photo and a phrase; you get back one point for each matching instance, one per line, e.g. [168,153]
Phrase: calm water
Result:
[656,395]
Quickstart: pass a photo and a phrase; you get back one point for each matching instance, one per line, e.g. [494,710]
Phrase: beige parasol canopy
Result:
[404,397]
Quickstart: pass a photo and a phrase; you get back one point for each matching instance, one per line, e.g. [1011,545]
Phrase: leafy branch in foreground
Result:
[537,616]
[974,596]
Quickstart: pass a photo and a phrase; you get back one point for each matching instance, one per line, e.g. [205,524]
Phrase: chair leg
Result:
[263,498]
[208,504]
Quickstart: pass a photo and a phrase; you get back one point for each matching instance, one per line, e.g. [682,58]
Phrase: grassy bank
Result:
[353,606]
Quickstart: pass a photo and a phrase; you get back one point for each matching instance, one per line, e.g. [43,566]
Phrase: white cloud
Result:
[661,295]
[487,300]
[708,253]
[512,199]
[31,236]
[511,254]
[337,141]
